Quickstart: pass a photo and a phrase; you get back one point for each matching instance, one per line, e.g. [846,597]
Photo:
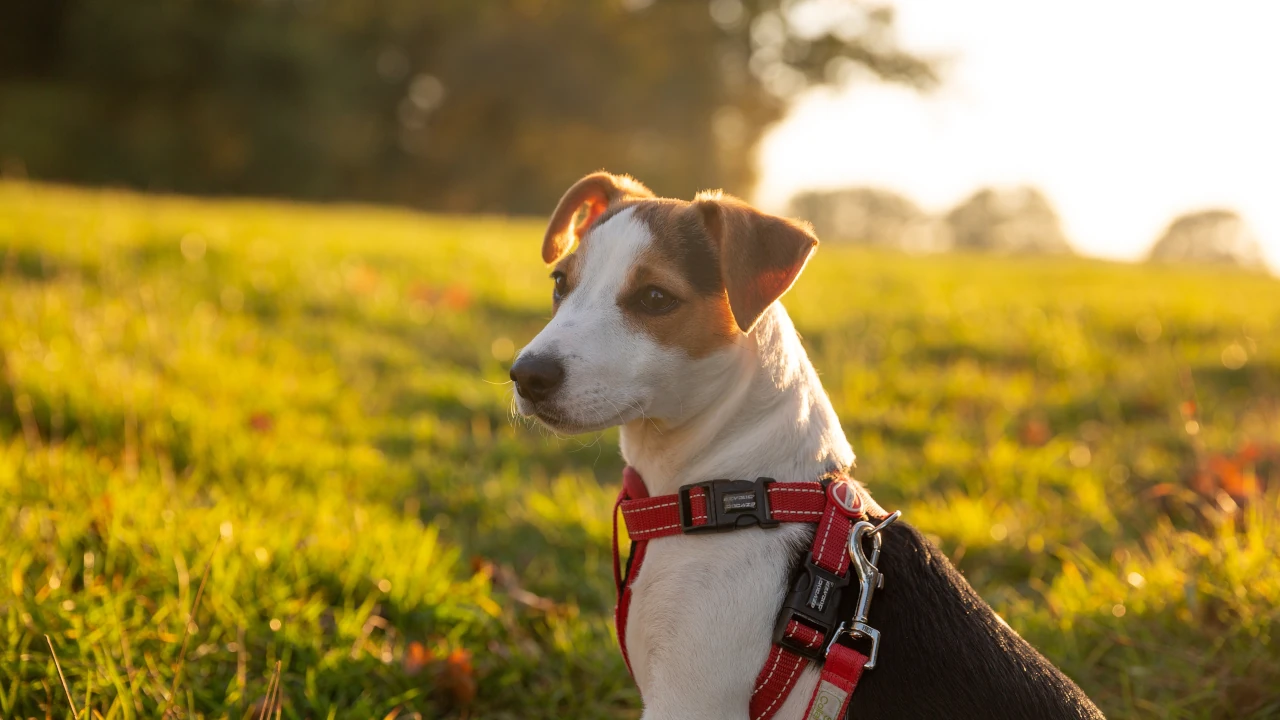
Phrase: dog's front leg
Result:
[701,619]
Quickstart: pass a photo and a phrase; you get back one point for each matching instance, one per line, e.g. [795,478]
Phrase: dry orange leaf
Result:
[416,658]
[458,677]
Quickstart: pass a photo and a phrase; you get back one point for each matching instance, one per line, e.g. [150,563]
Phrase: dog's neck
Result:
[758,410]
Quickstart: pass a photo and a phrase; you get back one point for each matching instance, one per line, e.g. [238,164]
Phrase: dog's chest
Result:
[706,605]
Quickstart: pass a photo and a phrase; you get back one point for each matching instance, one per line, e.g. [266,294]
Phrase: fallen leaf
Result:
[456,297]
[262,422]
[458,677]
[416,658]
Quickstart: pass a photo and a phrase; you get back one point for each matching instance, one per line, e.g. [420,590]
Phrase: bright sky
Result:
[1125,112]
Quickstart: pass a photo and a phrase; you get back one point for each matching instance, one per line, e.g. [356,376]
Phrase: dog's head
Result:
[648,294]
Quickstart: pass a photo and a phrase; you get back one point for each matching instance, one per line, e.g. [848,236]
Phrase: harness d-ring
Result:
[885,523]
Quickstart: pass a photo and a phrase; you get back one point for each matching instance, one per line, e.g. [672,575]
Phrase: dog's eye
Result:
[561,285]
[655,300]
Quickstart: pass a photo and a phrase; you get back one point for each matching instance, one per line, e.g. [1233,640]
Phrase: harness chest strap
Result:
[840,675]
[725,505]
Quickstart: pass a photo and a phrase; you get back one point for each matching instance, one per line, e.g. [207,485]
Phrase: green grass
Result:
[310,402]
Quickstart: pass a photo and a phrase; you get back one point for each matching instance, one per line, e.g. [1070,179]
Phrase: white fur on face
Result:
[614,371]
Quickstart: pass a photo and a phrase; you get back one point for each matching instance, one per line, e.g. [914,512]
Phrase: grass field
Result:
[310,403]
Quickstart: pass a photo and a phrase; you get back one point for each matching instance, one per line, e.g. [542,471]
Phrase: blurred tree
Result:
[1016,221]
[461,106]
[871,216]
[1219,237]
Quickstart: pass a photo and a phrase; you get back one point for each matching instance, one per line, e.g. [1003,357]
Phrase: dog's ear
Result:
[597,192]
[761,255]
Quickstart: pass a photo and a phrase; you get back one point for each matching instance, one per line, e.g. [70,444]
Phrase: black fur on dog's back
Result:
[943,651]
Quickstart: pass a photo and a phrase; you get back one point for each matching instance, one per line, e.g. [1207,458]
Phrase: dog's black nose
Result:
[537,376]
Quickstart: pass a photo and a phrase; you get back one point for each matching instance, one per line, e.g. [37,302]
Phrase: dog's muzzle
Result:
[537,377]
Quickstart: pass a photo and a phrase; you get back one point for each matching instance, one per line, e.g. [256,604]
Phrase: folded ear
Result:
[760,255]
[597,192]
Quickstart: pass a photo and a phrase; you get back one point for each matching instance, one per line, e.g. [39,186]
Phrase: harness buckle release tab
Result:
[730,504]
[814,601]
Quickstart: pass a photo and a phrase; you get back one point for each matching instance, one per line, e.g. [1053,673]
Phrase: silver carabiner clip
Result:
[870,579]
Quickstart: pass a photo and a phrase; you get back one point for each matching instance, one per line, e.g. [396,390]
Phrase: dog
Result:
[667,324]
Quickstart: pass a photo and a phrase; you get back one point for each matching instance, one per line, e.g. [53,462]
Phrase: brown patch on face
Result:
[571,264]
[595,193]
[682,262]
[763,253]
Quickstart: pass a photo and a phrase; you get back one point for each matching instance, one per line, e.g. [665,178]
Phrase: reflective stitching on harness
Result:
[795,669]
[777,655]
[657,529]
[813,642]
[652,507]
[825,534]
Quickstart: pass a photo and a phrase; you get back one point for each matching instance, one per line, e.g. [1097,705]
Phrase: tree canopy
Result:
[1018,220]
[871,216]
[453,105]
[1217,236]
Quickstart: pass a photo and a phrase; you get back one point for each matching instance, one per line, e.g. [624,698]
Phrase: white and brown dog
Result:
[667,324]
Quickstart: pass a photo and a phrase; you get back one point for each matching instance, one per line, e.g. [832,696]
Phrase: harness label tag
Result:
[738,502]
[821,591]
[827,703]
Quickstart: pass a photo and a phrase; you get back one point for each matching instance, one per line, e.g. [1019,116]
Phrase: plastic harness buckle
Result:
[730,504]
[814,600]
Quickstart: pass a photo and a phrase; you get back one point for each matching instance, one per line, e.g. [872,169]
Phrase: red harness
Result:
[808,625]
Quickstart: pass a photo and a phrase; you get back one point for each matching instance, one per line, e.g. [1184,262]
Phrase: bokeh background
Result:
[264,265]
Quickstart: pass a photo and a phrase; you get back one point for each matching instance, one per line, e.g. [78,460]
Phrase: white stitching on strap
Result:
[823,548]
[652,507]
[813,642]
[794,670]
[776,657]
[656,529]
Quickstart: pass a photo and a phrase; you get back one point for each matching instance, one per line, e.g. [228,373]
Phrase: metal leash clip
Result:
[870,579]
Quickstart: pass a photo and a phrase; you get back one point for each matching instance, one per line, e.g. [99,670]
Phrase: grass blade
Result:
[65,688]
[272,687]
[186,637]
